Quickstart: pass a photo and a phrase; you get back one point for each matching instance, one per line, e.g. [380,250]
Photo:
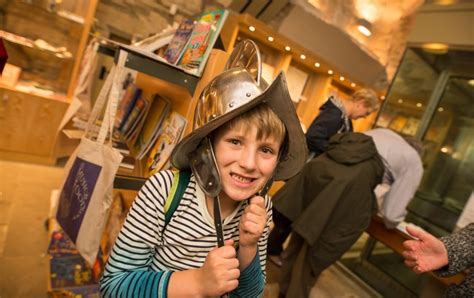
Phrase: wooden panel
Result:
[29,123]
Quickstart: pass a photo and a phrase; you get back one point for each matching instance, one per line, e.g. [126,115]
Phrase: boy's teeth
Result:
[240,178]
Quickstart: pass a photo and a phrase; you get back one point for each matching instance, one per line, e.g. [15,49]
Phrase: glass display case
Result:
[432,99]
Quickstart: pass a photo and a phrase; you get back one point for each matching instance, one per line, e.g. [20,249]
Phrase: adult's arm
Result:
[460,251]
[401,192]
[324,126]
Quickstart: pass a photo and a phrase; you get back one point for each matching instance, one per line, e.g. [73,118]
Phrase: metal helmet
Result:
[235,91]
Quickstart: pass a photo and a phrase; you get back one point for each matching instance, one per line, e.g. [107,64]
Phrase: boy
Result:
[244,136]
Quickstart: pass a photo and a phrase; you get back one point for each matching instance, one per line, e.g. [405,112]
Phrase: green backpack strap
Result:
[179,185]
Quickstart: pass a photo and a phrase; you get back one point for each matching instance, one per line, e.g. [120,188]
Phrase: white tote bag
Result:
[86,195]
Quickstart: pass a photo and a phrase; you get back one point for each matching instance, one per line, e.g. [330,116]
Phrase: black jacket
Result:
[331,201]
[329,121]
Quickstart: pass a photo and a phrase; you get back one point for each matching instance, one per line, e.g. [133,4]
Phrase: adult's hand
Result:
[426,253]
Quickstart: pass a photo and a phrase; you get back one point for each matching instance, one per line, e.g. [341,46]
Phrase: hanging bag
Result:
[86,195]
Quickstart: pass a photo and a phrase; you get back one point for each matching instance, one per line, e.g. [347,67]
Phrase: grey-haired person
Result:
[246,133]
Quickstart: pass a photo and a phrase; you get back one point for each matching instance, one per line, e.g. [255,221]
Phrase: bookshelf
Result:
[46,62]
[181,88]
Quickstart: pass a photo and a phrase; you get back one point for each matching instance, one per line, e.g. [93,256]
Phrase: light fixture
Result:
[342,78]
[444,2]
[435,48]
[382,97]
[270,38]
[287,48]
[302,56]
[471,82]
[364,27]
[318,65]
[353,85]
[330,72]
[419,105]
[252,28]
[400,100]
[440,109]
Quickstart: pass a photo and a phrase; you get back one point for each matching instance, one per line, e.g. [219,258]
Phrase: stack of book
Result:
[70,274]
[193,41]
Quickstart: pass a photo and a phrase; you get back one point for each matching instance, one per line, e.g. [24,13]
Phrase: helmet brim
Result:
[277,97]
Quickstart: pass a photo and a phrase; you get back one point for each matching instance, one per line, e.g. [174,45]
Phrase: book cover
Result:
[203,37]
[178,42]
[159,109]
[129,105]
[123,105]
[173,129]
[134,117]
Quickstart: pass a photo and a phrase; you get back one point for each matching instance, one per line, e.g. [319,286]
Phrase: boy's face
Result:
[245,163]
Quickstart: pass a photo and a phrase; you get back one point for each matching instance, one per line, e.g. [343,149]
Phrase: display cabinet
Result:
[44,41]
[432,99]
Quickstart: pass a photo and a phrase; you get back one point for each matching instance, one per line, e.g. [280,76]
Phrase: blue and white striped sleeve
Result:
[128,272]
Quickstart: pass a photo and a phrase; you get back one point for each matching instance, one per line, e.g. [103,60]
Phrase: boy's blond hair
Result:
[367,96]
[268,124]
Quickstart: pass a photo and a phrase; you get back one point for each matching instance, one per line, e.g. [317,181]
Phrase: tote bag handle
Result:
[110,88]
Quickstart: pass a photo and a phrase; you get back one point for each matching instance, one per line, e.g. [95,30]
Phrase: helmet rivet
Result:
[248,94]
[231,104]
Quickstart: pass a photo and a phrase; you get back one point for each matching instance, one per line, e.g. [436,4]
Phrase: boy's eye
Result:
[234,141]
[267,150]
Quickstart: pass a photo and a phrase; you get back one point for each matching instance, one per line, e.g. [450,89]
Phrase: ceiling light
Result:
[419,104]
[364,27]
[440,109]
[318,65]
[252,28]
[353,85]
[270,38]
[287,48]
[435,48]
[342,78]
[330,72]
[471,82]
[400,100]
[382,97]
[444,2]
[302,57]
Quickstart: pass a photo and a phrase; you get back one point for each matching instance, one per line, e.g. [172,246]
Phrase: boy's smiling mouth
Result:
[241,179]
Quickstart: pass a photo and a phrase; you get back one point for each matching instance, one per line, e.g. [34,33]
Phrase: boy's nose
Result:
[247,159]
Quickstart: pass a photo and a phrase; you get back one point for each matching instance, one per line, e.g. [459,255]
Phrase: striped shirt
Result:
[145,254]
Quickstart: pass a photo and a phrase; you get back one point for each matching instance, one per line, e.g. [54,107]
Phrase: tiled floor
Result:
[25,191]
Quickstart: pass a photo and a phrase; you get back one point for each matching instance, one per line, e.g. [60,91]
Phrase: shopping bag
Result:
[86,194]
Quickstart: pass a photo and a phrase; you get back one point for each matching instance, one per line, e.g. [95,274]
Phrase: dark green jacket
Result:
[331,201]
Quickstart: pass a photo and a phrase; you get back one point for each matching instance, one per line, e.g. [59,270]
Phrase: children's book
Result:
[203,37]
[137,113]
[178,42]
[159,109]
[173,129]
[126,106]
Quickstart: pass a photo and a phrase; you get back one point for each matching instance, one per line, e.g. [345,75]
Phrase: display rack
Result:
[156,76]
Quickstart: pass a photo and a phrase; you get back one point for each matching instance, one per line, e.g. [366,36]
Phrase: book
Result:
[178,42]
[126,105]
[173,129]
[158,111]
[203,38]
[134,117]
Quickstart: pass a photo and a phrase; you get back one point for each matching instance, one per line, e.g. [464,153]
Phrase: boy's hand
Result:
[220,272]
[252,222]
